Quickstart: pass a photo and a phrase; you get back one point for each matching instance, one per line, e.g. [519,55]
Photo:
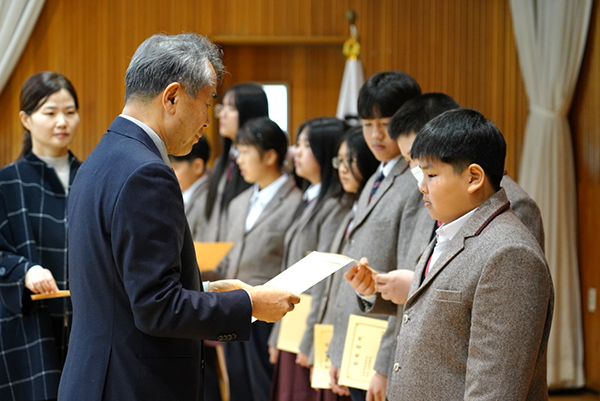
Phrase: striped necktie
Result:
[376,185]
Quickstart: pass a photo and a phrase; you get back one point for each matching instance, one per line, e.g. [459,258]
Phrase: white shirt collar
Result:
[162,148]
[187,194]
[312,192]
[265,195]
[447,231]
[386,167]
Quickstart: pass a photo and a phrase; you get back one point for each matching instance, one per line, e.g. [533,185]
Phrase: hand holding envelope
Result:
[362,277]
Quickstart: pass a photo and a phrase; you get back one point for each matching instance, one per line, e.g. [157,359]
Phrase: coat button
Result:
[2,271]
[396,367]
[405,319]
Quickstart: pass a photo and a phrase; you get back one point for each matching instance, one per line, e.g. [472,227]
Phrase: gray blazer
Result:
[419,233]
[478,325]
[324,292]
[312,231]
[194,209]
[213,229]
[374,234]
[256,256]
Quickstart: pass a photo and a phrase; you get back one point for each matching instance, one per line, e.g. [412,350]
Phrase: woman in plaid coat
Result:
[33,241]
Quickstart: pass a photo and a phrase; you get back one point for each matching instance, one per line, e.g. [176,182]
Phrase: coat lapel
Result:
[386,184]
[490,209]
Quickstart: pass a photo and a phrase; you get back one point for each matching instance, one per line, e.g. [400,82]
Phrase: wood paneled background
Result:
[461,47]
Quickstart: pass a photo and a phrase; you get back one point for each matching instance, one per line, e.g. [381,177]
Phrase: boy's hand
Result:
[360,278]
[377,388]
[394,285]
[334,374]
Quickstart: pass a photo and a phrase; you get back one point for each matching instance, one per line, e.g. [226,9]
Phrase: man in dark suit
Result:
[140,310]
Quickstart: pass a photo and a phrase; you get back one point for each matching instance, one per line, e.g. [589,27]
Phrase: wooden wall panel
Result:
[461,47]
[585,123]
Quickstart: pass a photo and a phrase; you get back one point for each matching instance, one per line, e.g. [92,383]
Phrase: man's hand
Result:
[40,281]
[334,374]
[227,285]
[273,354]
[270,304]
[377,388]
[302,360]
[394,285]
[361,278]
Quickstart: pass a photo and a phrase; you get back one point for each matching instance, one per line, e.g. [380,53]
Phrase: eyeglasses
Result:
[226,108]
[336,162]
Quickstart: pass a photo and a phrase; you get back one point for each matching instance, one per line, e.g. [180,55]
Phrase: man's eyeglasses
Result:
[226,108]
[336,162]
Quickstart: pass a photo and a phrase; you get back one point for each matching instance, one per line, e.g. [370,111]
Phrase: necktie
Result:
[376,185]
[230,167]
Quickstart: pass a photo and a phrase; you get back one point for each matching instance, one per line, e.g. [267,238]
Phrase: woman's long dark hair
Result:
[250,101]
[34,93]
[358,149]
[323,135]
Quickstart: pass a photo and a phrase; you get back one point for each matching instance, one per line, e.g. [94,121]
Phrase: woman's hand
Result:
[40,281]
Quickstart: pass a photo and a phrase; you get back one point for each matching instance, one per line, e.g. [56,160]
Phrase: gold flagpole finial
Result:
[351,47]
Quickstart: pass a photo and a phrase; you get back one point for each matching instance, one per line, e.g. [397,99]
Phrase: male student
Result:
[478,312]
[403,127]
[374,231]
[192,174]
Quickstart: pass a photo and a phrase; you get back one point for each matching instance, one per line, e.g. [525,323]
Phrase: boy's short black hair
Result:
[461,137]
[200,150]
[383,94]
[418,111]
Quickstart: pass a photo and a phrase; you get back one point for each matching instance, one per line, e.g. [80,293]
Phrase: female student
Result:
[241,102]
[354,163]
[316,221]
[33,241]
[257,221]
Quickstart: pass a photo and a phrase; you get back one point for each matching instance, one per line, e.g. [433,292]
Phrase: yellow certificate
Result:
[360,351]
[293,326]
[57,294]
[210,254]
[320,373]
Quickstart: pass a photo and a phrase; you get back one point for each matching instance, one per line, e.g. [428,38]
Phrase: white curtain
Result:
[17,19]
[551,36]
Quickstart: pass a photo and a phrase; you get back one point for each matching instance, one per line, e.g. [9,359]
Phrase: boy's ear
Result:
[198,166]
[270,157]
[477,178]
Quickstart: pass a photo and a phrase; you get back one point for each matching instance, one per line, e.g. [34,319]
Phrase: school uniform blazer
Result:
[324,292]
[312,231]
[139,313]
[525,208]
[194,209]
[477,327]
[213,229]
[375,235]
[257,254]
[418,234]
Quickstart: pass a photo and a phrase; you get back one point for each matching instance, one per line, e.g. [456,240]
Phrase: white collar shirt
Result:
[260,200]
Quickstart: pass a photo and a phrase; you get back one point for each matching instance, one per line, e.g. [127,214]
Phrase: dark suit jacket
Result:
[477,327]
[138,311]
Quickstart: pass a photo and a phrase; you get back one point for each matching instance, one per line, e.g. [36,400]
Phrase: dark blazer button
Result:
[2,271]
[219,338]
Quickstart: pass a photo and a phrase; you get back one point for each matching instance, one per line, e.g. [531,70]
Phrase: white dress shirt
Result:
[162,148]
[261,198]
[187,194]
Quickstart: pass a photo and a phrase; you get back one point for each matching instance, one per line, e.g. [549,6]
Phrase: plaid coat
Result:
[33,230]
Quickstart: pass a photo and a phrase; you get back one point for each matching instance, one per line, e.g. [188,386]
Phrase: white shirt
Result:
[386,167]
[312,192]
[444,235]
[261,198]
[61,166]
[187,194]
[162,148]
